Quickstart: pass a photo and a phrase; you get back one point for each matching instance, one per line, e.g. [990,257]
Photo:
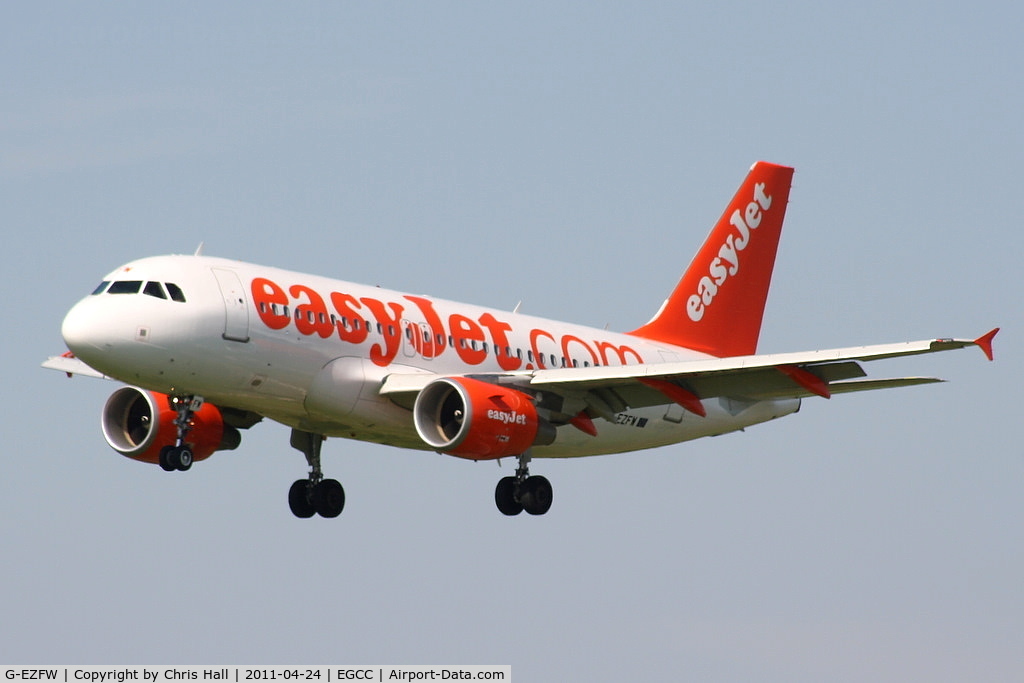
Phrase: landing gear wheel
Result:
[315,495]
[183,458]
[165,461]
[329,498]
[523,492]
[179,456]
[299,499]
[175,458]
[505,497]
[535,495]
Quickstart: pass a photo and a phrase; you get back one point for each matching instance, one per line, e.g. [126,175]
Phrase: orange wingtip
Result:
[985,342]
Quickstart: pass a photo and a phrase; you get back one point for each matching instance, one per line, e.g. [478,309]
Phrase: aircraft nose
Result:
[83,331]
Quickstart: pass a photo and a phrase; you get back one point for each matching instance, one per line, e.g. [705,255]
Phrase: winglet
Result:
[985,342]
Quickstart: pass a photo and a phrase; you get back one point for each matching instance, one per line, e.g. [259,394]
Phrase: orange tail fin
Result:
[718,304]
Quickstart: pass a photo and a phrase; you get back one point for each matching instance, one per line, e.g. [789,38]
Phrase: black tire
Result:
[165,459]
[298,500]
[504,497]
[329,498]
[536,495]
[183,458]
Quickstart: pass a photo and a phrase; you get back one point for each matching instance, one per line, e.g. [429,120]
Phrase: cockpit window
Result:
[125,287]
[175,292]
[154,289]
[158,290]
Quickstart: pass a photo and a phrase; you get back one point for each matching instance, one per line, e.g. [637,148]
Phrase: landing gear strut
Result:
[523,492]
[315,495]
[179,456]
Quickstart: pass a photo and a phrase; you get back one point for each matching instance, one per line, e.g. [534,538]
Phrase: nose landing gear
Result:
[179,456]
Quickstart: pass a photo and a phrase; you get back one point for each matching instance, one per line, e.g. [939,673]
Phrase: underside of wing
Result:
[609,390]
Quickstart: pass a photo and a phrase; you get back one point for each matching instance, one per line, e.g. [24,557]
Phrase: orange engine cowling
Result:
[138,423]
[477,420]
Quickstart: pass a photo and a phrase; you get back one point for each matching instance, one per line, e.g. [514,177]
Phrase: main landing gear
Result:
[523,492]
[315,495]
[179,456]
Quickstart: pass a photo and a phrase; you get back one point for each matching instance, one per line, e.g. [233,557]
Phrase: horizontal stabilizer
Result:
[872,384]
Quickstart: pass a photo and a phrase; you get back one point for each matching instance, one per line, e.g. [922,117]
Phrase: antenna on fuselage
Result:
[199,249]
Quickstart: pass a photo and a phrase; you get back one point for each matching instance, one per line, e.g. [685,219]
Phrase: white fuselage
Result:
[312,352]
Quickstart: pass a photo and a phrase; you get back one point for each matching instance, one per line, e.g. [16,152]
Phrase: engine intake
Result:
[476,420]
[138,423]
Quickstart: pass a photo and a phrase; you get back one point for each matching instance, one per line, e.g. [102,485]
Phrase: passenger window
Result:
[102,286]
[125,287]
[175,292]
[154,289]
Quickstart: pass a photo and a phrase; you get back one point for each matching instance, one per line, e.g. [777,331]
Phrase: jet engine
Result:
[476,420]
[138,423]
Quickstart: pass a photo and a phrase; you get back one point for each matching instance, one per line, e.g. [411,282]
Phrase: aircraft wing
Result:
[72,366]
[608,390]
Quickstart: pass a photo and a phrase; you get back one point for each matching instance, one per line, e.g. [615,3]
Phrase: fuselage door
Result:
[236,313]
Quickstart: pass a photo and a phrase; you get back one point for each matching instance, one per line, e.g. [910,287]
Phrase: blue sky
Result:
[572,156]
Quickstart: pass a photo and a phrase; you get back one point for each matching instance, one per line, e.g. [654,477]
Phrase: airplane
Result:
[210,346]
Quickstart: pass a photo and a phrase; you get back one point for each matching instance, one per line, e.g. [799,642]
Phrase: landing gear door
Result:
[236,313]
